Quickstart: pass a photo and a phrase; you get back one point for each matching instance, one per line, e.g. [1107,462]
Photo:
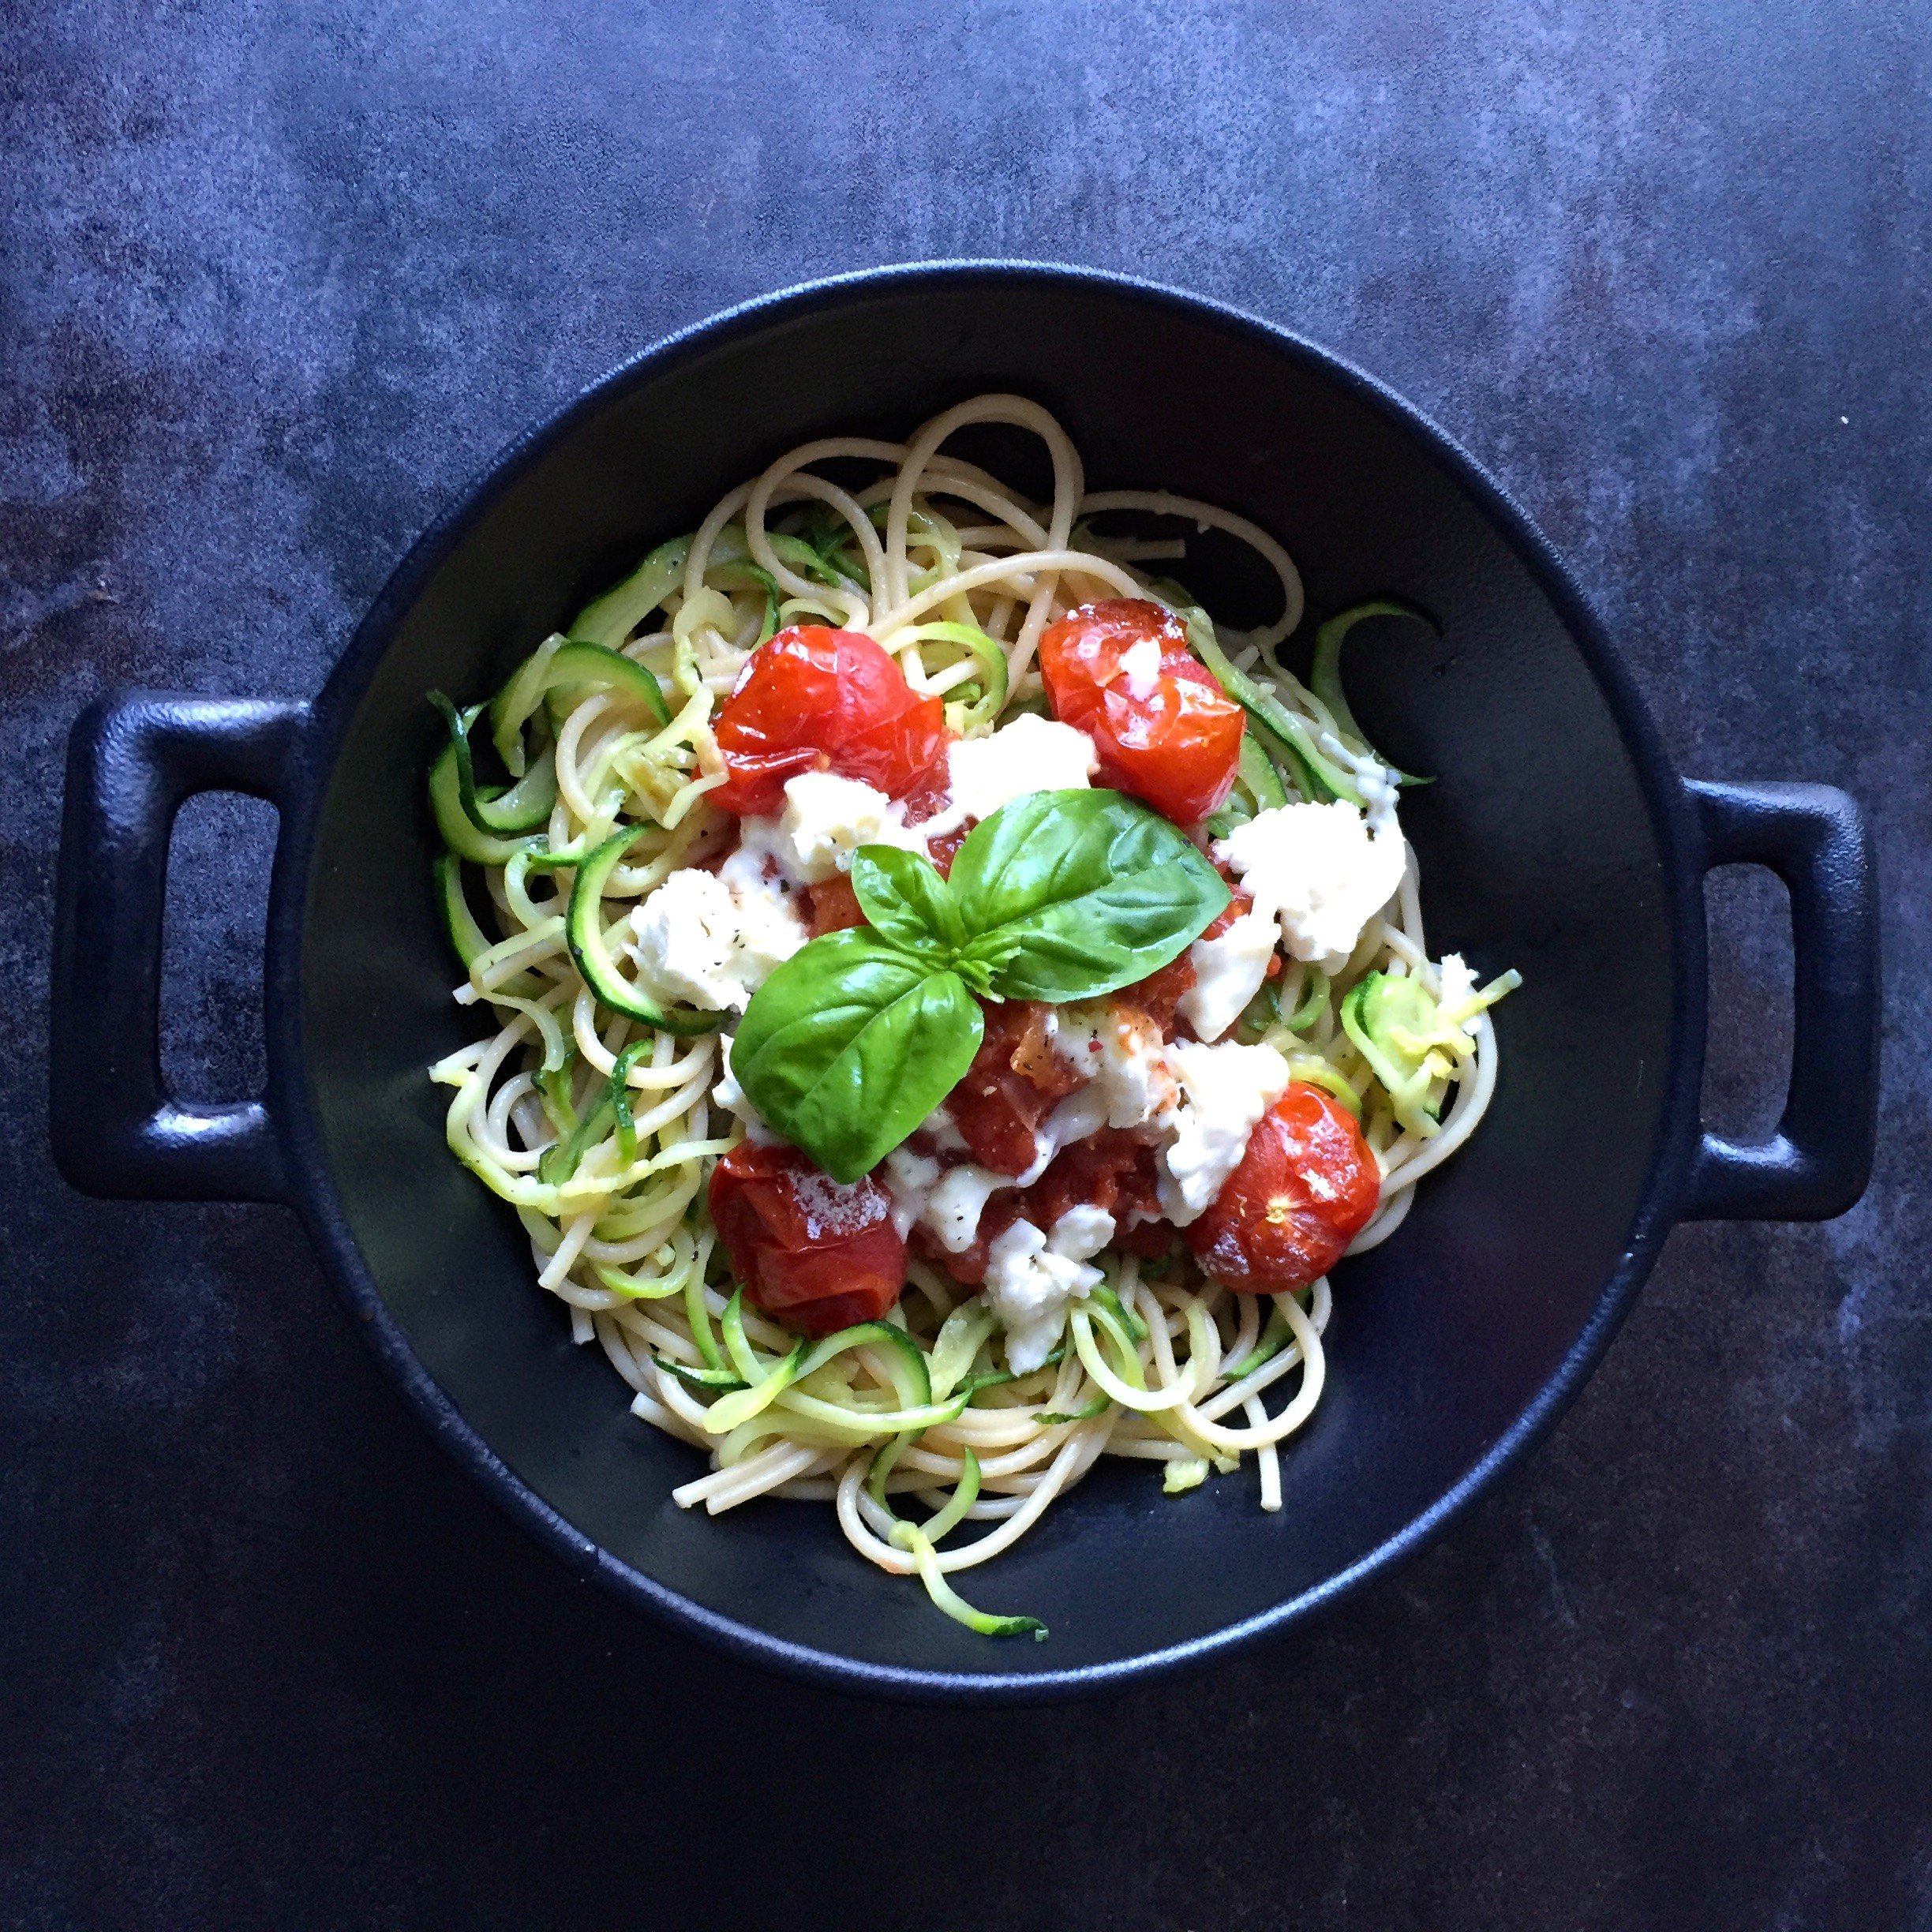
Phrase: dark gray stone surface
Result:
[278,281]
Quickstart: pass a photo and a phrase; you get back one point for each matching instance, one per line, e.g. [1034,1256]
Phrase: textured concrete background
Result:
[279,280]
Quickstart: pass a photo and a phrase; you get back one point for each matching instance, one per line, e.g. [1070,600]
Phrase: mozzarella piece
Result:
[952,1210]
[1320,870]
[709,942]
[1225,1089]
[1031,1278]
[827,818]
[1228,972]
[1081,1232]
[769,929]
[949,1200]
[1030,754]
[944,1130]
[1079,1117]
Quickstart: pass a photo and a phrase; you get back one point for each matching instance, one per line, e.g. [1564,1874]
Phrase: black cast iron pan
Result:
[1557,838]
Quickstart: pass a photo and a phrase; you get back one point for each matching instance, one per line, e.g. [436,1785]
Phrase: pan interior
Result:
[1537,851]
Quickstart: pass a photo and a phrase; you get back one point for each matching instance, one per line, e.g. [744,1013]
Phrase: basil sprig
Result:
[1059,896]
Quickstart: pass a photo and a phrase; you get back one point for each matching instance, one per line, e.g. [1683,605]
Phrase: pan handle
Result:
[1816,1165]
[134,757]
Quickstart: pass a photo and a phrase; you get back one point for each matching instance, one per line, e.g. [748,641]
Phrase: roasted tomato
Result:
[1305,1188]
[1010,1087]
[817,700]
[814,1253]
[1167,734]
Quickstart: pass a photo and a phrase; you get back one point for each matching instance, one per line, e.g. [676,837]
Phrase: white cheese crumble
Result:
[1140,665]
[1031,1276]
[1225,1090]
[1228,973]
[909,1178]
[711,942]
[944,1130]
[1194,1103]
[1320,870]
[827,818]
[954,1212]
[1082,1232]
[1030,754]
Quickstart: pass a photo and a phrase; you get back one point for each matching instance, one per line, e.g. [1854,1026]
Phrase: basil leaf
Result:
[1096,890]
[850,1044]
[906,901]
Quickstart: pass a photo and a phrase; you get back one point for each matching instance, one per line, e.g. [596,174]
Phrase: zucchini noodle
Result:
[600,1129]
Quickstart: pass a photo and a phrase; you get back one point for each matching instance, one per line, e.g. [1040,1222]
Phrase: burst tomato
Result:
[1010,1087]
[817,700]
[1168,735]
[817,1255]
[1305,1188]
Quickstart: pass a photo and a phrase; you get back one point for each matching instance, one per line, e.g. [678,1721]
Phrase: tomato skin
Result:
[1177,746]
[813,699]
[1305,1189]
[813,1253]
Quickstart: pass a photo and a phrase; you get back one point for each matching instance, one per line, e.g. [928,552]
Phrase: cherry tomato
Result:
[1010,1087]
[1174,739]
[1305,1188]
[817,700]
[817,1255]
